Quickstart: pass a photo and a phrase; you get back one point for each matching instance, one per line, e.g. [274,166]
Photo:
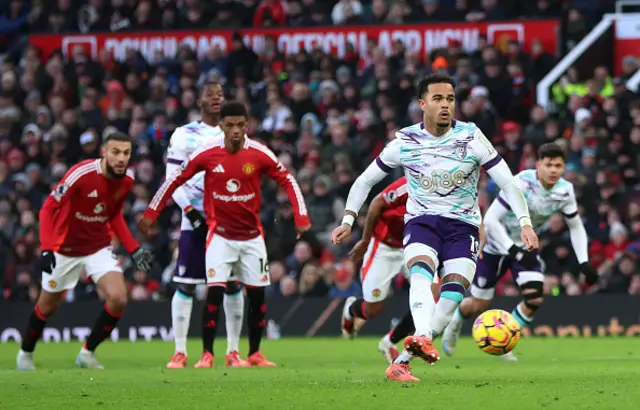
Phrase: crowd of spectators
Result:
[325,118]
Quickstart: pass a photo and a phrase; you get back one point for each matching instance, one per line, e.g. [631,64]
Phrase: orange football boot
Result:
[400,372]
[235,360]
[178,361]
[205,362]
[421,346]
[258,360]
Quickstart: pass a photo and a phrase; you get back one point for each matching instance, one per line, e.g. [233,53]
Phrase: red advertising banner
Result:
[627,40]
[416,37]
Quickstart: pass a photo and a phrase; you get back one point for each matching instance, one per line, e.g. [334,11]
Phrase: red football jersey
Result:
[390,226]
[232,185]
[78,216]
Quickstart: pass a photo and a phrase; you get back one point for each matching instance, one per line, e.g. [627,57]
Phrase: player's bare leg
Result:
[45,307]
[469,307]
[233,314]
[181,308]
[358,308]
[210,318]
[257,323]
[113,286]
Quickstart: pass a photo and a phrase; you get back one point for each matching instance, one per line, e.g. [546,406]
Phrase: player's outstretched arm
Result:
[498,169]
[580,243]
[279,173]
[199,161]
[388,159]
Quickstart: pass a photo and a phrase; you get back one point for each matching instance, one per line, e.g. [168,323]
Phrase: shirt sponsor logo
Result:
[233,185]
[85,218]
[234,198]
[99,208]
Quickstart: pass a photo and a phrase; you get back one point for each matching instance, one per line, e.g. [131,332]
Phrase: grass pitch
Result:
[597,373]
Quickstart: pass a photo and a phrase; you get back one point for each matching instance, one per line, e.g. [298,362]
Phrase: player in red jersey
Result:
[75,224]
[380,253]
[233,173]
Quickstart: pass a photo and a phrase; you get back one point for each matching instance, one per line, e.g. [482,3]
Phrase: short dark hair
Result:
[550,150]
[118,136]
[434,78]
[206,85]
[233,109]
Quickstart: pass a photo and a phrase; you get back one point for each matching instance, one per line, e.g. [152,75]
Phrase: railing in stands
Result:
[543,88]
[633,83]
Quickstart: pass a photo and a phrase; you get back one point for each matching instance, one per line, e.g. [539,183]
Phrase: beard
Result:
[114,174]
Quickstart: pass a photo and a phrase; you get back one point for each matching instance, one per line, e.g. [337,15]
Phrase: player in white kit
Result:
[547,193]
[191,260]
[441,158]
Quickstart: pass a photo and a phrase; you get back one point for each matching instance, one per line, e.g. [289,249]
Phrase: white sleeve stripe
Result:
[402,190]
[302,206]
[79,172]
[162,191]
[205,147]
[262,148]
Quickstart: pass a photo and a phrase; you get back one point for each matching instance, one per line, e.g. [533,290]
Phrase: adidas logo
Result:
[219,168]
[93,194]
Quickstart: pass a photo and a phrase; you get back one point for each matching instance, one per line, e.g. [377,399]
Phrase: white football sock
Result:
[421,303]
[404,358]
[181,306]
[445,309]
[456,321]
[233,315]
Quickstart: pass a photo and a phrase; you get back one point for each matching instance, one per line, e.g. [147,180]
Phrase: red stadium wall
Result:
[416,37]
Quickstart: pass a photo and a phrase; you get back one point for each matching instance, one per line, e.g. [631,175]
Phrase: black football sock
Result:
[255,319]
[103,327]
[357,309]
[210,317]
[403,329]
[37,322]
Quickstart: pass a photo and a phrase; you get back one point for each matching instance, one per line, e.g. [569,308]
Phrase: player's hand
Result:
[526,259]
[341,234]
[483,240]
[529,238]
[144,225]
[302,229]
[142,259]
[590,273]
[47,261]
[357,253]
[198,222]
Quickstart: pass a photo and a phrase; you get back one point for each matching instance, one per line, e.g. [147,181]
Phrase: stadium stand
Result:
[325,115]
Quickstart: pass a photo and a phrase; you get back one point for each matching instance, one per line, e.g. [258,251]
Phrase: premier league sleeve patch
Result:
[60,191]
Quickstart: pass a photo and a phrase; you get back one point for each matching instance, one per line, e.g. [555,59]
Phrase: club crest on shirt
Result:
[248,168]
[461,151]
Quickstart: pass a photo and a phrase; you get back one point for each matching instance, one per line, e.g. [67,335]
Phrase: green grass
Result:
[598,373]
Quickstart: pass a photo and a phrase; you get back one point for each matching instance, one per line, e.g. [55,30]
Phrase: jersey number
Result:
[475,245]
[443,180]
[264,266]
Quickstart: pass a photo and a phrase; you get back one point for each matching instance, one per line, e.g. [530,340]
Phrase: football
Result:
[496,332]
